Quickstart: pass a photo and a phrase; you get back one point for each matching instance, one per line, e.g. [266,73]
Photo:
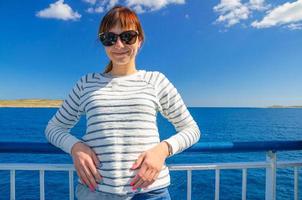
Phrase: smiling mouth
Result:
[120,53]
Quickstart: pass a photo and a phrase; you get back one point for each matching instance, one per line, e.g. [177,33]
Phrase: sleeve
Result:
[175,111]
[57,131]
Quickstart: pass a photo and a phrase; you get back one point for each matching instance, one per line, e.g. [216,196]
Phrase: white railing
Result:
[270,165]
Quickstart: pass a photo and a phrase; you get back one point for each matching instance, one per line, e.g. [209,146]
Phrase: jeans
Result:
[83,193]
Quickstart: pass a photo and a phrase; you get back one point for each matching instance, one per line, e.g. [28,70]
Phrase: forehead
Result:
[118,28]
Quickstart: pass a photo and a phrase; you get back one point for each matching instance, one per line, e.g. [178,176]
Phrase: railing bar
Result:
[71,188]
[296,185]
[42,185]
[217,183]
[12,185]
[189,184]
[244,180]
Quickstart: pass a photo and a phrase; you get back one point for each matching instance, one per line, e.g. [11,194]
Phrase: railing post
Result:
[189,184]
[296,184]
[42,185]
[244,180]
[71,188]
[270,184]
[217,183]
[12,184]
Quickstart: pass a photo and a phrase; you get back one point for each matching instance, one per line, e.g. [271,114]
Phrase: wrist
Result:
[74,147]
[168,149]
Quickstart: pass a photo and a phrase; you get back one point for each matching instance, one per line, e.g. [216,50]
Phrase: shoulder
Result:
[90,77]
[87,78]
[154,77]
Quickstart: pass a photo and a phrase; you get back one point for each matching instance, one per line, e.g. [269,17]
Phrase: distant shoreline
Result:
[279,106]
[50,103]
[30,103]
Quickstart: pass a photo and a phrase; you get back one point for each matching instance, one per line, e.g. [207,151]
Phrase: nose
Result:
[119,44]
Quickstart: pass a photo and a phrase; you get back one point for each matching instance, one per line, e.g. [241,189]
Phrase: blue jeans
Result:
[159,194]
[83,193]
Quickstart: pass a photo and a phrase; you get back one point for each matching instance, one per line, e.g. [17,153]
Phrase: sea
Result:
[216,125]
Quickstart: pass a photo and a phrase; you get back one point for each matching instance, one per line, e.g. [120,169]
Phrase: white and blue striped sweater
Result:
[121,123]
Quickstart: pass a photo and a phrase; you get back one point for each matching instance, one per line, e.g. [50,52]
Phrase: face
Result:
[122,54]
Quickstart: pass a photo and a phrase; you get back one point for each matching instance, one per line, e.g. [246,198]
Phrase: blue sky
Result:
[216,53]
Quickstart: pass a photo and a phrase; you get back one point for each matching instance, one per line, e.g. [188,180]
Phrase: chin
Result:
[121,62]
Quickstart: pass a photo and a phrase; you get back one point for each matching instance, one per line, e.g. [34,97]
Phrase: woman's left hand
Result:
[150,163]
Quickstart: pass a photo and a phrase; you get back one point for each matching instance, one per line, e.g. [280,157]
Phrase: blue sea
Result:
[216,125]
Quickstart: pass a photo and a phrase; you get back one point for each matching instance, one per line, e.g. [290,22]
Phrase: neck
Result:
[122,70]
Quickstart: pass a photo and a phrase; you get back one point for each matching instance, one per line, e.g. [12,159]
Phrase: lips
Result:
[120,53]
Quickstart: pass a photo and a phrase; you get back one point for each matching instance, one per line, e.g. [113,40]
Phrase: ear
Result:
[139,44]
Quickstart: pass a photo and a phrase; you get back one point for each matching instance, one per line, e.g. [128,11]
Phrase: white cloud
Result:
[99,6]
[287,13]
[111,3]
[151,5]
[295,26]
[138,9]
[59,10]
[231,12]
[99,9]
[92,2]
[139,6]
[258,5]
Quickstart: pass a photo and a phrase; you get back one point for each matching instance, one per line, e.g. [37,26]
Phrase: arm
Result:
[174,109]
[58,128]
[58,133]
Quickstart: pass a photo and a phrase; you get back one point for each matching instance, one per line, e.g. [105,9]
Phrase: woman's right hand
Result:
[85,162]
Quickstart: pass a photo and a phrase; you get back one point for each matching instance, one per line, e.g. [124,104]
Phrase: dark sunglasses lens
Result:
[129,37]
[108,39]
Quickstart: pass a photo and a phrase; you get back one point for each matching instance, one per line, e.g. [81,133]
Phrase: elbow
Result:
[47,131]
[197,133]
[194,131]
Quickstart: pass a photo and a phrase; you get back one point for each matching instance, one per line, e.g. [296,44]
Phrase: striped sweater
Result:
[121,123]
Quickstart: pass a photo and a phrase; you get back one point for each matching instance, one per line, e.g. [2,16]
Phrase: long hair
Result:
[126,18]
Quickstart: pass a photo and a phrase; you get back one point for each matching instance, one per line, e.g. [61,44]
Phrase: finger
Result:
[149,174]
[83,177]
[95,159]
[80,176]
[138,184]
[153,176]
[143,177]
[139,161]
[139,175]
[89,176]
[94,172]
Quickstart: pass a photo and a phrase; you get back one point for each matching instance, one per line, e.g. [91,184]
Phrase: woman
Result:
[121,156]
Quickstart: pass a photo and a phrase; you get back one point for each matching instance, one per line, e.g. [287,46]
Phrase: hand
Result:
[150,163]
[85,162]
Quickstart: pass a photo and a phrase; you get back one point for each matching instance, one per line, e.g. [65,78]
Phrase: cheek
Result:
[134,50]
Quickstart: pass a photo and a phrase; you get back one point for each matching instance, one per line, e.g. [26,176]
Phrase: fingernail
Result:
[131,184]
[133,188]
[139,189]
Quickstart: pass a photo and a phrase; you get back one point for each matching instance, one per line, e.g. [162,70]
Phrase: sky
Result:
[227,53]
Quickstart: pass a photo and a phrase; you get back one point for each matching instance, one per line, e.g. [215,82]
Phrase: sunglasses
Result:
[109,38]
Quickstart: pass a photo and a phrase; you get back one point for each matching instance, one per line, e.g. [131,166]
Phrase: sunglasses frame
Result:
[118,36]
